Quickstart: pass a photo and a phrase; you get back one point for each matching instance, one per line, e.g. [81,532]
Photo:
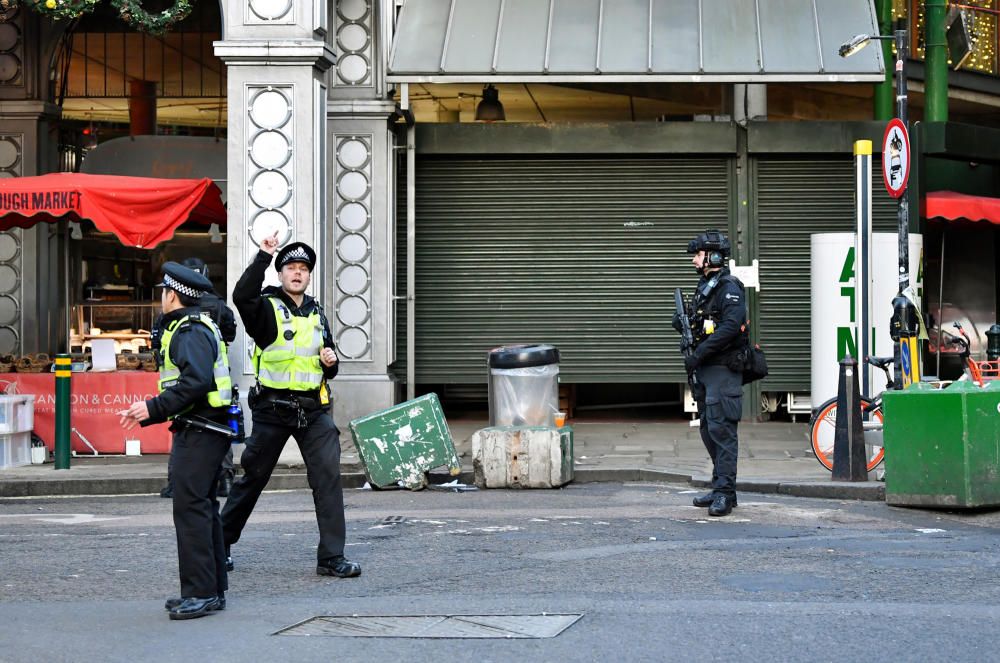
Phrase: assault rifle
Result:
[687,337]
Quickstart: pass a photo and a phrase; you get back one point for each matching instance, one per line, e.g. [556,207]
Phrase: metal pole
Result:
[411,249]
[883,91]
[937,62]
[905,324]
[63,379]
[940,325]
[862,253]
[903,211]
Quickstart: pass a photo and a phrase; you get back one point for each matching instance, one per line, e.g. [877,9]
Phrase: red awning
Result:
[141,211]
[951,205]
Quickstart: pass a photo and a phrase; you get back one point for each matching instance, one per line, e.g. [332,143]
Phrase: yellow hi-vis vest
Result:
[222,395]
[292,359]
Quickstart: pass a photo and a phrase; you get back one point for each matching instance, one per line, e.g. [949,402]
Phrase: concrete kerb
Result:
[354,478]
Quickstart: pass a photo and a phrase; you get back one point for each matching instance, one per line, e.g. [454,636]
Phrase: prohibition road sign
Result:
[896,158]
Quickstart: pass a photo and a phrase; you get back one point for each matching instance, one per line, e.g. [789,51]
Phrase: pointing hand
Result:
[270,244]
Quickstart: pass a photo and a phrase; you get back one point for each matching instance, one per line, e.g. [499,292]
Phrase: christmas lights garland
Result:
[61,8]
[131,12]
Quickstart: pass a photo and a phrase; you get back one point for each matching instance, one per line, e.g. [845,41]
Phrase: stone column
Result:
[30,319]
[310,155]
[277,58]
[360,243]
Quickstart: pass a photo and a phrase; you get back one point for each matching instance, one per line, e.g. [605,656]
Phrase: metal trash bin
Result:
[523,385]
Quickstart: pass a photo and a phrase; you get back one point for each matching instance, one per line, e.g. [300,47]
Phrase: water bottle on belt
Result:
[236,416]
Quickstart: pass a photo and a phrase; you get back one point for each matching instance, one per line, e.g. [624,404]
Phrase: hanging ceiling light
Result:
[490,109]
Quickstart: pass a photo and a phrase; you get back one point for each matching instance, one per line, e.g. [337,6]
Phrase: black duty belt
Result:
[289,402]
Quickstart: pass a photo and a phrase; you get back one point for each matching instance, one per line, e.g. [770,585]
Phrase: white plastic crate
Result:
[15,450]
[17,413]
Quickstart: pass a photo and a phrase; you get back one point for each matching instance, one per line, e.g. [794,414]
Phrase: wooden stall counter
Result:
[96,398]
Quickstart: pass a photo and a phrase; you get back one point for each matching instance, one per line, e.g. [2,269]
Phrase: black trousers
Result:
[720,406]
[319,443]
[196,457]
[227,465]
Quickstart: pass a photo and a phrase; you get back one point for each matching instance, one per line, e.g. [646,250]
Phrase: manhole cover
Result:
[434,626]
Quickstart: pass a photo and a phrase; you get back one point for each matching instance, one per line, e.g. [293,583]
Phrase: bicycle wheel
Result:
[823,428]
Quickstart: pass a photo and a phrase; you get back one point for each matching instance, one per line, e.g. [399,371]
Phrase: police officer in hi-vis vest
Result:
[293,358]
[195,393]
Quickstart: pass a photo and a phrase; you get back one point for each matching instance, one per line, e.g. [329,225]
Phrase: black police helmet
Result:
[197,264]
[714,244]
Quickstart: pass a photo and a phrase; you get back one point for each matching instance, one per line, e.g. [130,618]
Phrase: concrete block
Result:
[522,457]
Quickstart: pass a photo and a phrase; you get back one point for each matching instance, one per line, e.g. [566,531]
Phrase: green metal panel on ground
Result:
[581,252]
[399,444]
[796,197]
[942,447]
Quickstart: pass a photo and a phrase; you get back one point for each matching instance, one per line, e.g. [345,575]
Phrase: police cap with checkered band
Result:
[295,252]
[184,280]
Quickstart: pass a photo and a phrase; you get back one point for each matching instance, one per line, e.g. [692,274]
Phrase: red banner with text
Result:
[96,399]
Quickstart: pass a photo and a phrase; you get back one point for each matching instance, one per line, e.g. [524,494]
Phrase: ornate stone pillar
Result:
[29,306]
[310,155]
[361,215]
[277,59]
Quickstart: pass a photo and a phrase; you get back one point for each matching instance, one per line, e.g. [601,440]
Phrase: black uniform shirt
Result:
[258,313]
[727,302]
[193,350]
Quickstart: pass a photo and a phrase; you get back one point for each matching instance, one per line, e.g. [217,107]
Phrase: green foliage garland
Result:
[132,13]
[61,8]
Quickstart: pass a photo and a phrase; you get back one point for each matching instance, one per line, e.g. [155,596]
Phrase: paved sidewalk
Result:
[774,458]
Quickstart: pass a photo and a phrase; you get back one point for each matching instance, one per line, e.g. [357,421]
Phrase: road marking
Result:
[64,518]
[930,530]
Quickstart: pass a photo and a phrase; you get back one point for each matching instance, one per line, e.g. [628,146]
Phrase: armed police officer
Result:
[293,358]
[213,305]
[195,391]
[718,320]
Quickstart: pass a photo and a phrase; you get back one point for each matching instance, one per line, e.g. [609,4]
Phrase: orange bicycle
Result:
[823,424]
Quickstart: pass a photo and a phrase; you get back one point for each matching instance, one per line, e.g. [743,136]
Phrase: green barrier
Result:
[941,446]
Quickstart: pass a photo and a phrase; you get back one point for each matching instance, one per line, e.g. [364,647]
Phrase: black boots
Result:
[339,567]
[173,603]
[192,608]
[722,505]
[707,499]
[704,500]
[225,484]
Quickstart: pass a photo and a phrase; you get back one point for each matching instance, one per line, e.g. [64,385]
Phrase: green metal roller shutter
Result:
[582,253]
[796,198]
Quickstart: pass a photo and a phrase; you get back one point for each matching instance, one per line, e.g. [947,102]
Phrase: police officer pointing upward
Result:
[195,392]
[718,317]
[293,359]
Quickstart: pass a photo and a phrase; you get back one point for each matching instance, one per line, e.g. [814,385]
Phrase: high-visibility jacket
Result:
[291,361]
[222,395]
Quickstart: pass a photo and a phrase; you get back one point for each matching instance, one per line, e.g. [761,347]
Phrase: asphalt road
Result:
[782,579]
